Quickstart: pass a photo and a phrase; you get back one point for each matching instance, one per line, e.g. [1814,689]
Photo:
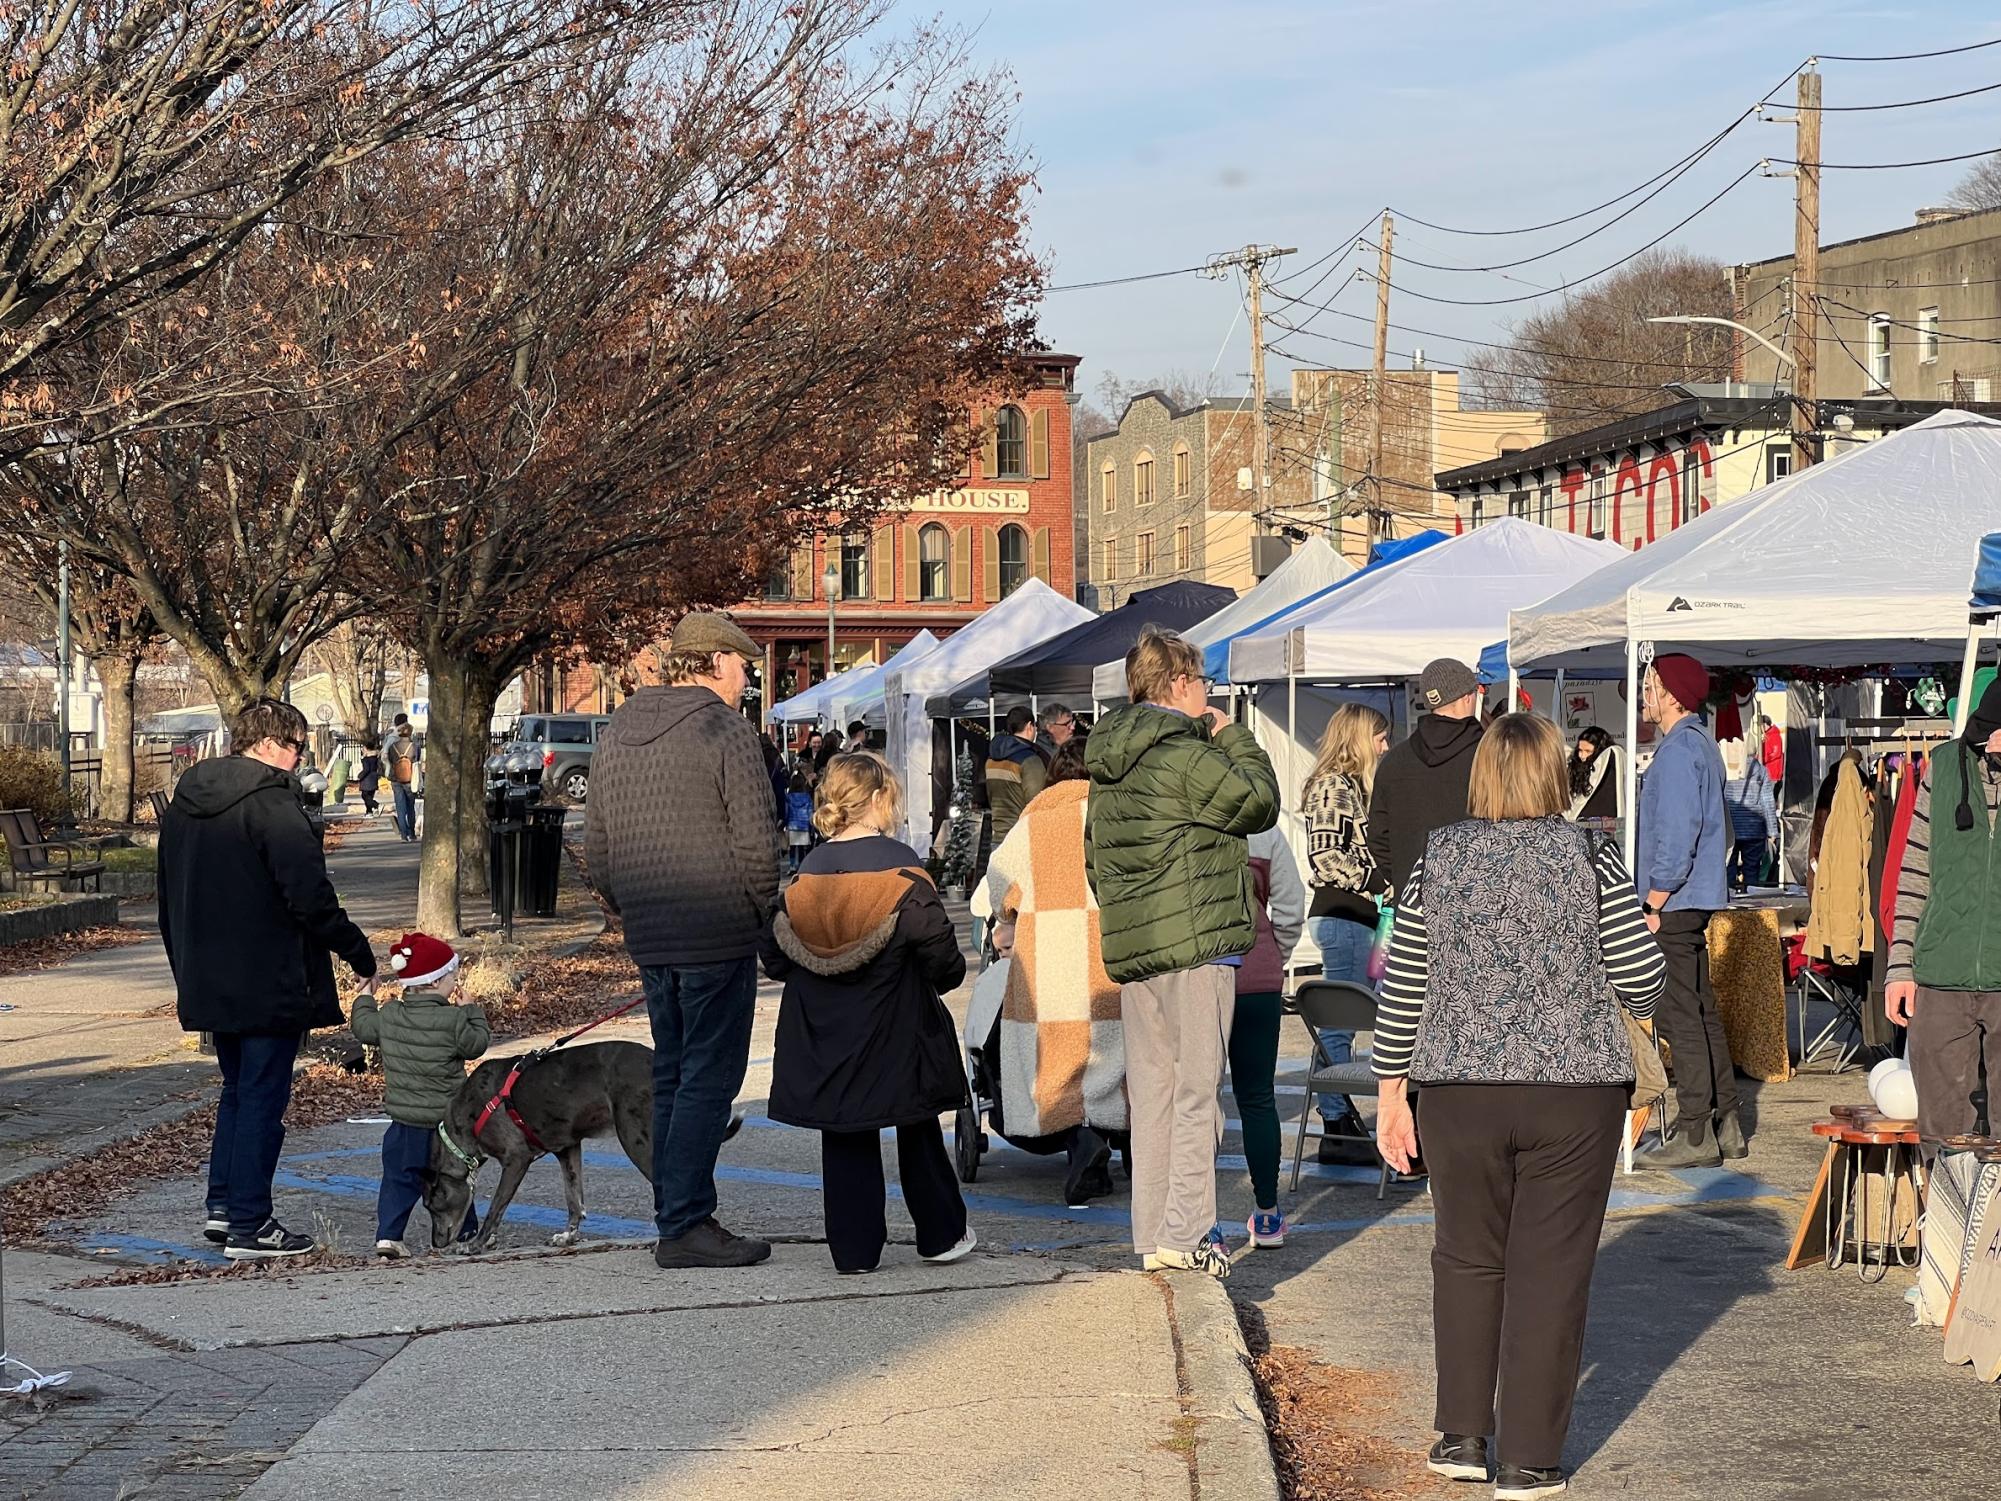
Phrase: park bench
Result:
[35,858]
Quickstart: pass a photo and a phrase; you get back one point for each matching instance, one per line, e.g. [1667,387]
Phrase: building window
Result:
[1013,559]
[1545,512]
[1108,486]
[1778,462]
[1928,335]
[778,581]
[1597,514]
[854,565]
[1518,504]
[1111,568]
[1691,484]
[1181,471]
[1143,480]
[934,563]
[1879,351]
[1010,444]
[1143,558]
[1479,511]
[1184,549]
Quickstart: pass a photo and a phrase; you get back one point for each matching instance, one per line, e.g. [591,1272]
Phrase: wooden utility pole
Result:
[1806,266]
[1379,376]
[1254,259]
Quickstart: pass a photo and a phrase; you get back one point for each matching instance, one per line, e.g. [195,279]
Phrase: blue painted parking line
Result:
[154,1250]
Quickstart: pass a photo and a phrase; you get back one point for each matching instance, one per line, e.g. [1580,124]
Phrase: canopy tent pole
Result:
[952,744]
[1629,772]
[991,730]
[1289,793]
[1968,666]
[1556,703]
[1514,688]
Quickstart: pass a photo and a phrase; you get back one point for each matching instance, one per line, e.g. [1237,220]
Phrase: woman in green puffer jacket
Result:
[1176,792]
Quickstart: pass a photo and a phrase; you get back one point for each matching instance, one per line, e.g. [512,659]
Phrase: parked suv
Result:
[553,750]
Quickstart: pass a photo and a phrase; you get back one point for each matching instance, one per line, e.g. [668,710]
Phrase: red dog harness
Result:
[505,1101]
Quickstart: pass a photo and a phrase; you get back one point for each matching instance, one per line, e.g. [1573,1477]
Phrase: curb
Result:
[1232,1445]
[53,920]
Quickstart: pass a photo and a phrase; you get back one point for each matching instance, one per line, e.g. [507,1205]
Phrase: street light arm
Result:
[1782,356]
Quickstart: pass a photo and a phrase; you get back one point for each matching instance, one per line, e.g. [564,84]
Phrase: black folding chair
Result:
[1352,1008]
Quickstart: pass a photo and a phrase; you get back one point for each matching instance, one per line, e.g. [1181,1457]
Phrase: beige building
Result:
[1167,495]
[1909,314]
[1425,429]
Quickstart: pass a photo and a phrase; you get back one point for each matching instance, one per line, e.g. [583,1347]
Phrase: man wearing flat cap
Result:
[1681,867]
[681,843]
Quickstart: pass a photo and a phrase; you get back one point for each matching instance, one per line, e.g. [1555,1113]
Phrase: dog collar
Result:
[471,1160]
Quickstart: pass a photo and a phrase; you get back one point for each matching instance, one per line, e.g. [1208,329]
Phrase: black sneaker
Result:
[215,1226]
[1457,1457]
[1339,1145]
[1521,1483]
[709,1245]
[1093,1180]
[272,1241]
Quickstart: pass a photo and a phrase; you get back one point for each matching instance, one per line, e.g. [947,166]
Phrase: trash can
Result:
[543,866]
[506,815]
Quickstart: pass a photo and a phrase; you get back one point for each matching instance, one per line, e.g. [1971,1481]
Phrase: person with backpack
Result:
[400,760]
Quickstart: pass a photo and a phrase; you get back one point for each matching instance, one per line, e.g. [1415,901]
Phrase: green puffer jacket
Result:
[425,1041]
[1164,838]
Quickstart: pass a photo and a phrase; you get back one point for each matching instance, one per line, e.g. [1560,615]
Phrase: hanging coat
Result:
[1841,927]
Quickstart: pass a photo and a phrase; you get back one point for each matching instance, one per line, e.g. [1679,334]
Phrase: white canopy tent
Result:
[1451,600]
[1312,567]
[814,704]
[856,692]
[1033,613]
[1851,563]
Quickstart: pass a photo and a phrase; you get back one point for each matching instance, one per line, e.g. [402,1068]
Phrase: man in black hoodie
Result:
[251,924]
[680,841]
[1421,784]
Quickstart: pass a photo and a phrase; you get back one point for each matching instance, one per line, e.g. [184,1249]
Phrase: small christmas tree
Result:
[962,843]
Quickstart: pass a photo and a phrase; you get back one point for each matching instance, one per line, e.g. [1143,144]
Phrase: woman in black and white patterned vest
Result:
[1516,945]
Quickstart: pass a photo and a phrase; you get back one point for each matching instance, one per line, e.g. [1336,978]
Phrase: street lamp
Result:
[1783,357]
[832,579]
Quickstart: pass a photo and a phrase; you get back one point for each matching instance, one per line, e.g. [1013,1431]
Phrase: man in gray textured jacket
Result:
[682,844]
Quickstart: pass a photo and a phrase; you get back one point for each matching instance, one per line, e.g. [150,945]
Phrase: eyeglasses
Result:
[298,746]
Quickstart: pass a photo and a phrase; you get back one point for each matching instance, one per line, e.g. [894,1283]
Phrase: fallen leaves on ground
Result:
[558,993]
[322,1093]
[47,953]
[1321,1416]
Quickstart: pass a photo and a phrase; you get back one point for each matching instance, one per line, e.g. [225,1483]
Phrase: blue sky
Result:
[1170,130]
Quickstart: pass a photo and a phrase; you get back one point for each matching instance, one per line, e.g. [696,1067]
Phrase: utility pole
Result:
[1379,375]
[1254,259]
[1806,265]
[65,669]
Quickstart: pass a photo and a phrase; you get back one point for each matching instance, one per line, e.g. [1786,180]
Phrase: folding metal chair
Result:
[1351,1008]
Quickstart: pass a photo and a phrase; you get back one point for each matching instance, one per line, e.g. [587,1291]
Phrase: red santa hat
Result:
[420,959]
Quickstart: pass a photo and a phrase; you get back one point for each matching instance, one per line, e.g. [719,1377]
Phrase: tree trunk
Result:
[117,675]
[462,698]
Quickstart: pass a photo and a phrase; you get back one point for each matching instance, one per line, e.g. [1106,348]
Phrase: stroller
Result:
[981,1038]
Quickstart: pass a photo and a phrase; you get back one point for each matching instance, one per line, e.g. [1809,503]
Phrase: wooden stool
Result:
[1863,1148]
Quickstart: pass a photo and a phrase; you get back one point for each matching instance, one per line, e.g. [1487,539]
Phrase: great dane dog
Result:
[566,1097]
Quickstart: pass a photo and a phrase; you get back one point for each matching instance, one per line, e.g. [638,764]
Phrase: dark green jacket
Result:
[1959,939]
[425,1041]
[1164,839]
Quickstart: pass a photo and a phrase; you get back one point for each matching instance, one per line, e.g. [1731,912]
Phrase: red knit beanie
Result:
[1685,678]
[420,959]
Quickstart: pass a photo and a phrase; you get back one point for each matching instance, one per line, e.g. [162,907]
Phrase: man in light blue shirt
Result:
[1681,867]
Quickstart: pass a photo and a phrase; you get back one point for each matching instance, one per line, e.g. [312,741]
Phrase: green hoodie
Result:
[1165,839]
[425,1041]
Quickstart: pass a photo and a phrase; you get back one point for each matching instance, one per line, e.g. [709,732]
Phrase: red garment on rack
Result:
[1729,719]
[1900,836]
[1775,755]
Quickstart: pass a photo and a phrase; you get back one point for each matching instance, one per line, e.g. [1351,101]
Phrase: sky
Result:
[1168,131]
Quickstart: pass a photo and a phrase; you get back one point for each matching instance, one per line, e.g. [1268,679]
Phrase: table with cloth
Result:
[1747,970]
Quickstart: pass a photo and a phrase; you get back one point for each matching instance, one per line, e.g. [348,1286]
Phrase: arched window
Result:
[1143,479]
[934,553]
[1010,444]
[1181,468]
[854,565]
[1013,559]
[1109,486]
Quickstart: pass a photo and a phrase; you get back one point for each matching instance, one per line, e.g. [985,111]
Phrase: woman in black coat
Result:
[865,949]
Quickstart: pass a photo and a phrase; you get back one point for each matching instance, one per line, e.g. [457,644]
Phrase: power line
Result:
[1908,57]
[1930,161]
[1862,109]
[1120,281]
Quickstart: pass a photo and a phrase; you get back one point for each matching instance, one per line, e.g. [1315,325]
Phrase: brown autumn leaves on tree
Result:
[1594,358]
[689,289]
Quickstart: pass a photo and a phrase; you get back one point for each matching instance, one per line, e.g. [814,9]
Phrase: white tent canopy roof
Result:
[1313,566]
[1032,614]
[1856,562]
[1450,600]
[854,692]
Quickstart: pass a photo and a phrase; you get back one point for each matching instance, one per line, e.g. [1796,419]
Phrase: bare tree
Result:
[355,657]
[1182,388]
[1594,358]
[1980,188]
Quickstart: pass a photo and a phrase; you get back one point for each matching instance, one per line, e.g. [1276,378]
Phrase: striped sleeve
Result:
[1633,961]
[1405,979]
[1914,884]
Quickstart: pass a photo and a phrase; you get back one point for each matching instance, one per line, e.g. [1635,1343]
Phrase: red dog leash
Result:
[504,1098]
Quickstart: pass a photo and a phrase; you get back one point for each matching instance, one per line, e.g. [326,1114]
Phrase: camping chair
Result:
[37,859]
[158,802]
[1352,1008]
[1814,979]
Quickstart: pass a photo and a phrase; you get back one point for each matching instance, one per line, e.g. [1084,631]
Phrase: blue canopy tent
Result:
[1983,616]
[1216,656]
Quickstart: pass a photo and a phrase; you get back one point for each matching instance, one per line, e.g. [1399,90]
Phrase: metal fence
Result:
[35,736]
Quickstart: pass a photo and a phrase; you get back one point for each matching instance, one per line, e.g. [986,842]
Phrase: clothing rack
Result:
[1891,734]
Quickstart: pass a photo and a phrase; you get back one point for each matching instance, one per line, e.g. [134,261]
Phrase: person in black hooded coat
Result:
[251,923]
[1421,783]
[865,950]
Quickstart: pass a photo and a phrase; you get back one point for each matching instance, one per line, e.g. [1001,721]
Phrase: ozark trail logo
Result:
[1679,604]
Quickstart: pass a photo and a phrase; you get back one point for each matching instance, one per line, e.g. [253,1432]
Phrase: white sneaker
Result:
[966,1243]
[392,1250]
[1209,1258]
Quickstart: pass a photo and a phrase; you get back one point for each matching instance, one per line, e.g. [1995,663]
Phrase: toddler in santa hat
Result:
[425,1041]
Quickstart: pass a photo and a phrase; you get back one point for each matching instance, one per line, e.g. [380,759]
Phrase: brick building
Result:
[934,566]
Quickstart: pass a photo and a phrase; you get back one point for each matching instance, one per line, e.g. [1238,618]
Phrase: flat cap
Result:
[706,631]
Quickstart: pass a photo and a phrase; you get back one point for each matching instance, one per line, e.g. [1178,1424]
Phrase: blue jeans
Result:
[701,1015]
[406,1163]
[406,809]
[249,1127]
[1344,955]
